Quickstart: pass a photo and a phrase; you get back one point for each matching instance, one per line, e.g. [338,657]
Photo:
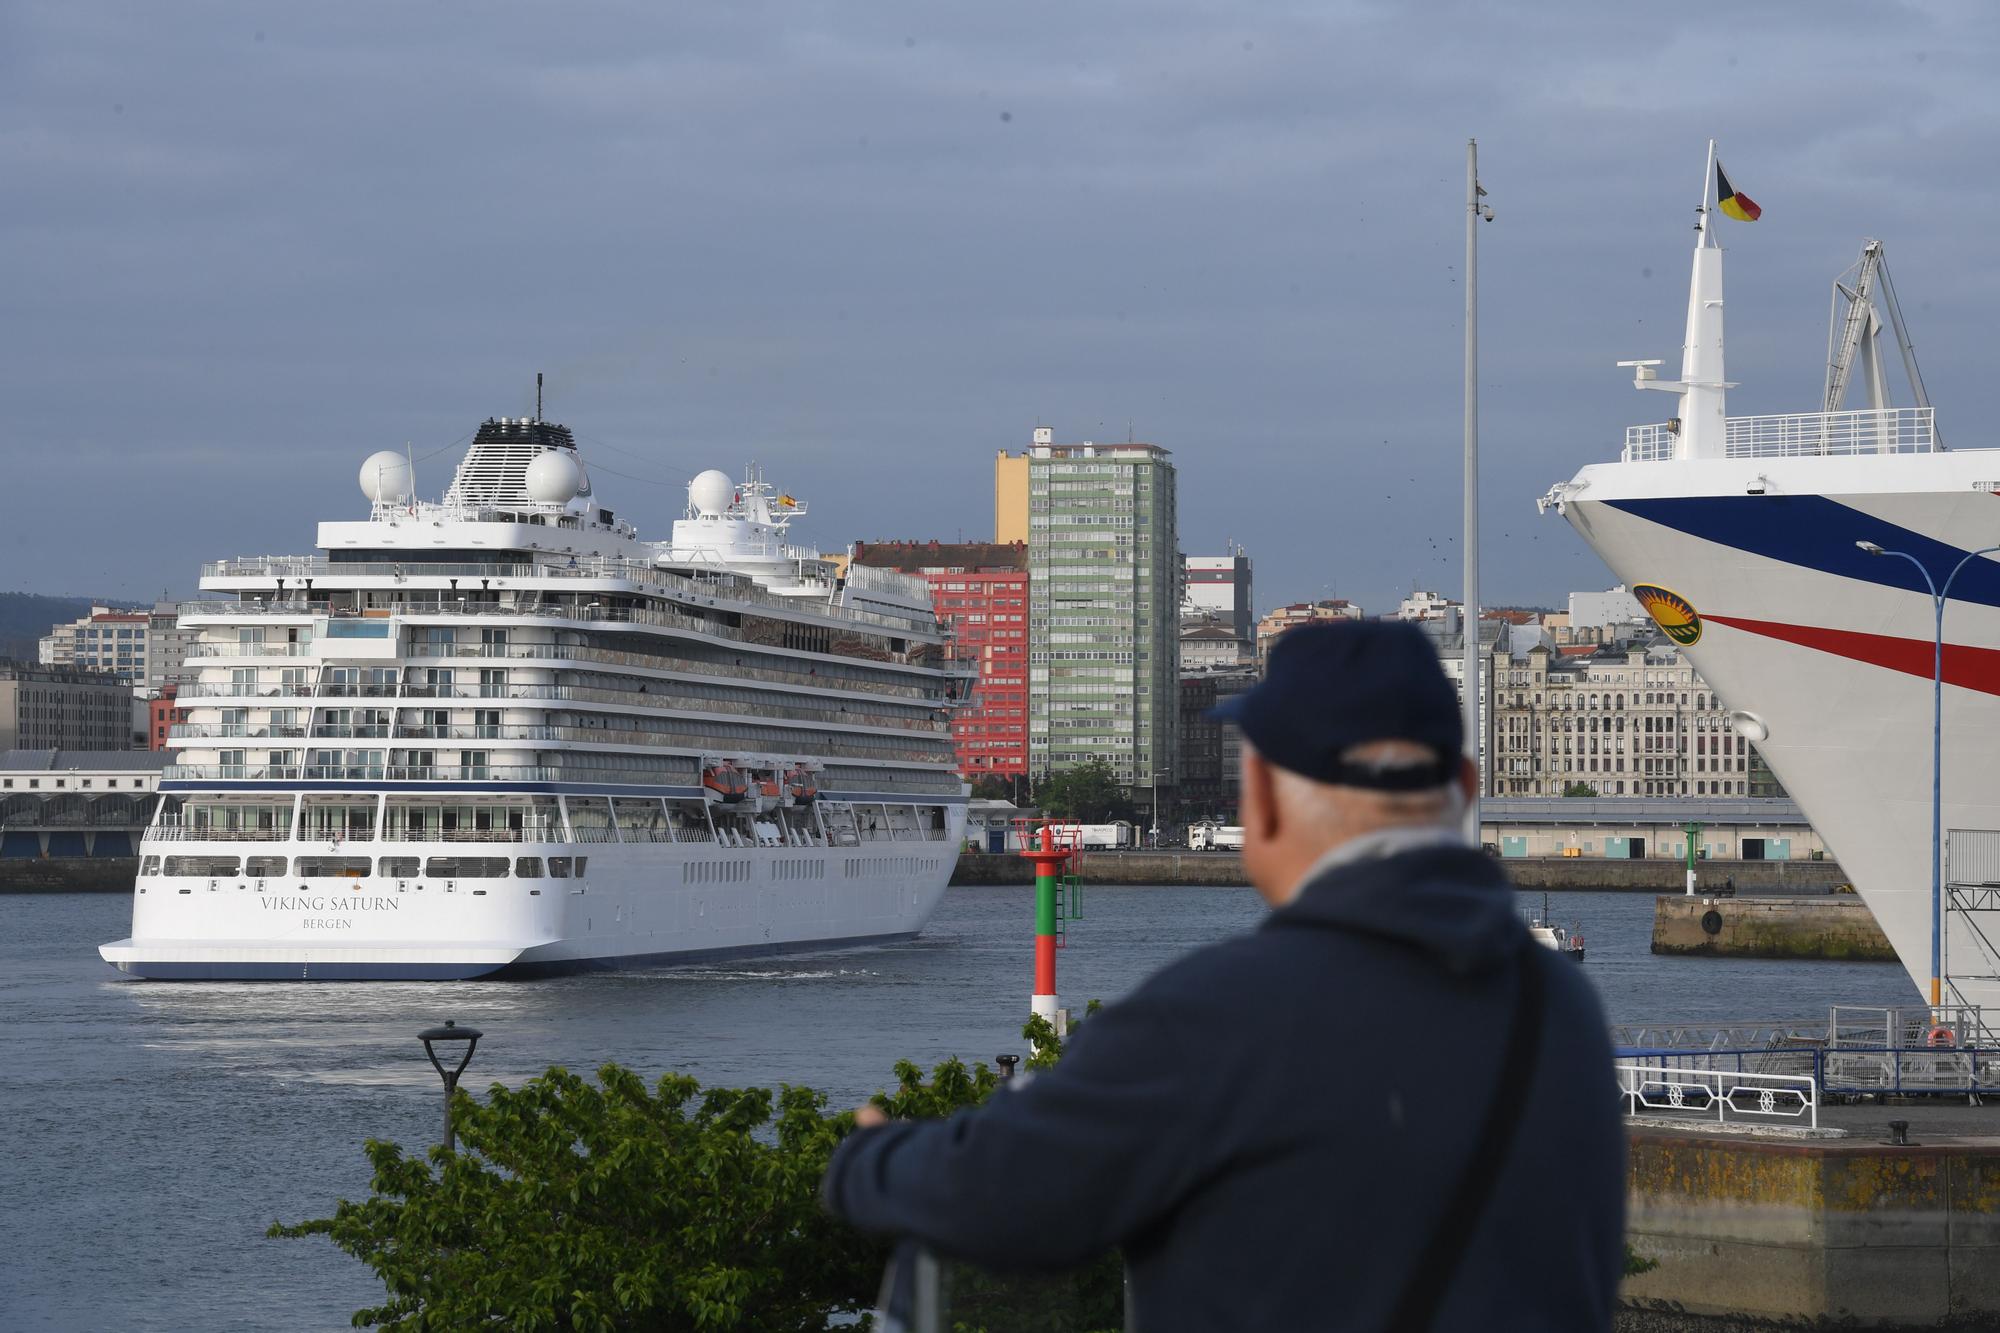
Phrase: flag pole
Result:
[1707,187]
[1469,619]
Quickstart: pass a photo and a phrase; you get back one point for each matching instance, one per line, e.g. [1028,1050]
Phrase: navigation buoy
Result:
[1049,860]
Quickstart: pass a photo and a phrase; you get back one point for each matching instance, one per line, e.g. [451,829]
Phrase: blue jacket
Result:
[1270,1126]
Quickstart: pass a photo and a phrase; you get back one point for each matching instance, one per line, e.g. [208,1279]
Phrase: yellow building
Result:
[1010,497]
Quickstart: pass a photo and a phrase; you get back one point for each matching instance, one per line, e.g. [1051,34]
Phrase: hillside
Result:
[26,617]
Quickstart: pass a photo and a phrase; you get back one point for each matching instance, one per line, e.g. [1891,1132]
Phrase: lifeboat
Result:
[724,783]
[801,787]
[768,790]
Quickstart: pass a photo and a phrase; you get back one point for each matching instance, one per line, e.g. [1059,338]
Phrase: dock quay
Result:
[70,820]
[1825,926]
[1848,1232]
[1818,1173]
[1172,866]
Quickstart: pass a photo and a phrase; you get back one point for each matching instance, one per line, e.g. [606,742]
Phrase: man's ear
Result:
[1259,811]
[1468,777]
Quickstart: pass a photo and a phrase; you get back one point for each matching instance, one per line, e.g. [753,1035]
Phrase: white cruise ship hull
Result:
[637,904]
[1829,649]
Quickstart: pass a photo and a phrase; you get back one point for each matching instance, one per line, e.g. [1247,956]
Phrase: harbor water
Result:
[156,1130]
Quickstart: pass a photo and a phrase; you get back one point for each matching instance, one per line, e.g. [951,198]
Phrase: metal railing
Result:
[1727,1035]
[1889,430]
[1908,1027]
[369,773]
[537,833]
[1657,1087]
[831,682]
[177,832]
[725,589]
[250,650]
[1908,1071]
[183,731]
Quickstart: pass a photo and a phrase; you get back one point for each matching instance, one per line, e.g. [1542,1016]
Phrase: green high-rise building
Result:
[1104,594]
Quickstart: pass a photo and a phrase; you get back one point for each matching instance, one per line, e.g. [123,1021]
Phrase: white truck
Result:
[1214,837]
[1096,837]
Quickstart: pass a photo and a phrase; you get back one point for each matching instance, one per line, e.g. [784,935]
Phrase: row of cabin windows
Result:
[357,867]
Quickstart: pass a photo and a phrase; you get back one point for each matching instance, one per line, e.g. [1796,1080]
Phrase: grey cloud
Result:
[804,233]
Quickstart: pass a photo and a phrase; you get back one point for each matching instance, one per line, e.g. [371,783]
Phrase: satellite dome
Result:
[386,477]
[711,492]
[554,477]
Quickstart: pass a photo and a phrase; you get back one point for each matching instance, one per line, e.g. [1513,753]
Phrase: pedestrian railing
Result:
[1661,1087]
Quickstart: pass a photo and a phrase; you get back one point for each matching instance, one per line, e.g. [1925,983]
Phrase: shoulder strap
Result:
[1437,1263]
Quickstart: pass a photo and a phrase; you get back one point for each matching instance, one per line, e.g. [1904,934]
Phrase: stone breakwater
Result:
[1837,926]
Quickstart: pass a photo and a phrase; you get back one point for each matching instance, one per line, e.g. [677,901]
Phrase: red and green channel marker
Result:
[1048,859]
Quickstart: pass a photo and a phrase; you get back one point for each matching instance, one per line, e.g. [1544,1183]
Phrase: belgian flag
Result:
[1739,206]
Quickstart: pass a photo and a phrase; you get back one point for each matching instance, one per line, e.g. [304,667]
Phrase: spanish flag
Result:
[1739,206]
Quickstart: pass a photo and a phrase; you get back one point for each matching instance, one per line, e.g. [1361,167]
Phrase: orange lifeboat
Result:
[801,787]
[725,783]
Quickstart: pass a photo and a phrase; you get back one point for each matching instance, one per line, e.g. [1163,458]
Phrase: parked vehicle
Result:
[1209,837]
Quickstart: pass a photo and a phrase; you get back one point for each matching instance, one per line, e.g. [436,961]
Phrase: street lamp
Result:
[1939,597]
[451,1034]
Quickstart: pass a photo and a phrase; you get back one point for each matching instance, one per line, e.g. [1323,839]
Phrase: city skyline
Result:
[869,252]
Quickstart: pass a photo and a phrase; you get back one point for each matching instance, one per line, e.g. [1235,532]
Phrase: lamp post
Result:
[1939,598]
[451,1034]
[1476,211]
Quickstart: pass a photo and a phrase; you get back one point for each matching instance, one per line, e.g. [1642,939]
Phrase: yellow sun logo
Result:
[1673,613]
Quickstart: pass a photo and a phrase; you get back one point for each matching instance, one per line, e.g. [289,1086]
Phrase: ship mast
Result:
[1702,425]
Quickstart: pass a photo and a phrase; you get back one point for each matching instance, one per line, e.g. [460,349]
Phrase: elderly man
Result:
[1386,1108]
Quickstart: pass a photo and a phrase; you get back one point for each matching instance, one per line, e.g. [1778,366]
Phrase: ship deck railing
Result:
[726,587]
[194,612]
[545,652]
[1888,430]
[307,691]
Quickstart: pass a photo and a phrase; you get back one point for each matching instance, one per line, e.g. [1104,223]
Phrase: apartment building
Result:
[1104,594]
[980,589]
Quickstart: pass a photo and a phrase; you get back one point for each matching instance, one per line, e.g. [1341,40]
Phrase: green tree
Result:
[1579,789]
[1088,793]
[613,1206]
[990,788]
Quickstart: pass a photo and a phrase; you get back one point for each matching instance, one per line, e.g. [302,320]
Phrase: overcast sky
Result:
[869,244]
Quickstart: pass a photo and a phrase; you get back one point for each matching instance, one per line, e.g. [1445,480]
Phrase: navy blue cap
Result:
[1333,686]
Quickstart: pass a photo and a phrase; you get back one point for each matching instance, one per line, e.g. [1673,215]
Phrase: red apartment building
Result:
[981,590]
[162,715]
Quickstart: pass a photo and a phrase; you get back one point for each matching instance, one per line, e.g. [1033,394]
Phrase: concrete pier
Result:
[1553,873]
[68,874]
[1830,926]
[1848,1233]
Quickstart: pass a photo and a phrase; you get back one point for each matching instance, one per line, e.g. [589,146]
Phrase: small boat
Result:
[800,786]
[1550,935]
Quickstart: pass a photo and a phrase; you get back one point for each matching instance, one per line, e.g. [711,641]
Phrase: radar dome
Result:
[554,477]
[386,477]
[711,492]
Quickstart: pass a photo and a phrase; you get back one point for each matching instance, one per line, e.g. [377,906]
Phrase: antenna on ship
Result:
[538,398]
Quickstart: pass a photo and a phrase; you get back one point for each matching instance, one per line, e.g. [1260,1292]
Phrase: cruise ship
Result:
[1793,558]
[501,734]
